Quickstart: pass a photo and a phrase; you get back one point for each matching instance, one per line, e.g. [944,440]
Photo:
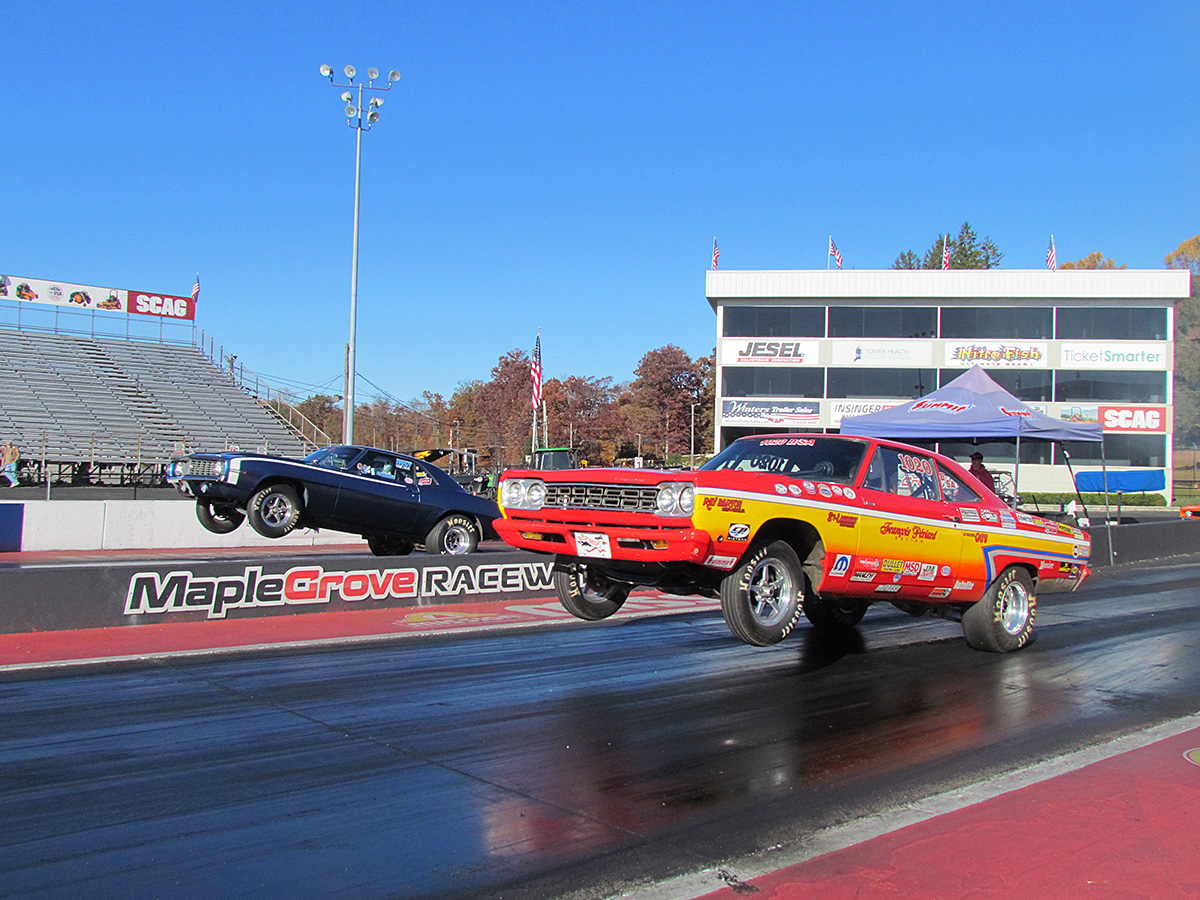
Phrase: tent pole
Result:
[1017,472]
[1107,518]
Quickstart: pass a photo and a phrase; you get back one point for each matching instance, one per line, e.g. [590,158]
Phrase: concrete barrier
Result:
[1141,541]
[131,525]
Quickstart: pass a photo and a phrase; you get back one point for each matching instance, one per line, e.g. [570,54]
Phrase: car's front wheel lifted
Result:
[274,511]
[219,518]
[762,598]
[1002,620]
[454,535]
[586,594]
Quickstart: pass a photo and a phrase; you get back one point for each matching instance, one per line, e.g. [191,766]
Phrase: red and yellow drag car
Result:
[780,525]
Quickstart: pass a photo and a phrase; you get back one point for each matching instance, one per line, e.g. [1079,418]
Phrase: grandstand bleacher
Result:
[104,409]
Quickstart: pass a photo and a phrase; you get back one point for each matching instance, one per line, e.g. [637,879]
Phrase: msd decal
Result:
[151,593]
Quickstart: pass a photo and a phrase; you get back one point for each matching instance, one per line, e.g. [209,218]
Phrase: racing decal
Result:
[892,565]
[152,593]
[739,531]
[724,504]
[918,464]
[794,490]
[849,492]
[938,593]
[910,532]
[721,562]
[841,565]
[989,516]
[1068,570]
[788,442]
[836,488]
[928,572]
[946,571]
[809,487]
[887,588]
[1007,520]
[911,568]
[842,519]
[863,576]
[968,513]
[824,490]
[781,489]
[964,585]
[1047,565]
[869,563]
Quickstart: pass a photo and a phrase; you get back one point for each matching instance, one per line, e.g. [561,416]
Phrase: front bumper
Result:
[206,489]
[635,537]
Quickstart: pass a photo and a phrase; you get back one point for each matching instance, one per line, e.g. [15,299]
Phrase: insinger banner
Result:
[85,296]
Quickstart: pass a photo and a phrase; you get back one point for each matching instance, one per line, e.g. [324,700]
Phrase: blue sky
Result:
[565,166]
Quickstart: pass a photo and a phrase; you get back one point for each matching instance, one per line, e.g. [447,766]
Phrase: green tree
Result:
[966,252]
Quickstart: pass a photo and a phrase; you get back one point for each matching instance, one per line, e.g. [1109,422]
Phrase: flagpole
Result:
[828,252]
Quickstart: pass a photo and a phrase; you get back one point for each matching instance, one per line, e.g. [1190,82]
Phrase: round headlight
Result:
[666,499]
[512,493]
[535,494]
[687,499]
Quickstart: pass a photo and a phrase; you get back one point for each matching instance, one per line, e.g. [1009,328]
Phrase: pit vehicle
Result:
[778,526]
[394,501]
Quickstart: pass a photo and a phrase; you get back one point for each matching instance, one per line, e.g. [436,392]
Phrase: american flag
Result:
[834,252]
[1051,256]
[946,253]
[535,369]
[196,289]
[716,254]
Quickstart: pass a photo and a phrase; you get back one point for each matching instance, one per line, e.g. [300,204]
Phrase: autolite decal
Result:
[151,593]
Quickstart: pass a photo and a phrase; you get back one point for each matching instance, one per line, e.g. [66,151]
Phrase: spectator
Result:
[9,456]
[981,474]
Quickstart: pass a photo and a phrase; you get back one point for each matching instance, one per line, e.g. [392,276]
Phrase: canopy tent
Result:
[974,407]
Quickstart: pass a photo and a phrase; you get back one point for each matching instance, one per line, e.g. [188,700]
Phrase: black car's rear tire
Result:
[1002,620]
[389,545]
[455,535]
[762,598]
[584,593]
[219,518]
[274,511]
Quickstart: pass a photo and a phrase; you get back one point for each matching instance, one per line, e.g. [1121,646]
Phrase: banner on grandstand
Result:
[86,296]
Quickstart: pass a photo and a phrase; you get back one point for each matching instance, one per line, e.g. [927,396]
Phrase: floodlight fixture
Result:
[347,96]
[326,70]
[372,73]
[394,75]
[350,110]
[372,117]
[376,102]
[350,70]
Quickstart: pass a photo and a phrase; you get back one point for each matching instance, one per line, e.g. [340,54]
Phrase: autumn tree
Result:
[658,404]
[499,411]
[325,412]
[966,252]
[1187,344]
[1092,261]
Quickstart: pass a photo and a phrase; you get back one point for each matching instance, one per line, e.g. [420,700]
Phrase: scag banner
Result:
[86,296]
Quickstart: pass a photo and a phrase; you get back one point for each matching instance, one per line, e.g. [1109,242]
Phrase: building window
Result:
[1143,451]
[772,381]
[1098,323]
[1110,387]
[997,322]
[906,384]
[1030,385]
[883,321]
[774,321]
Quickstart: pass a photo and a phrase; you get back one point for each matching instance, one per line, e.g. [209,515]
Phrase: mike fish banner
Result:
[53,599]
[86,296]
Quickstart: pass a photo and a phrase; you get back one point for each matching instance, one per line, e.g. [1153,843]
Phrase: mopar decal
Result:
[151,593]
[841,565]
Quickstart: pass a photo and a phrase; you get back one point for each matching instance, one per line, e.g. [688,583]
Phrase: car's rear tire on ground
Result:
[455,535]
[389,545]
[1002,620]
[584,593]
[219,518]
[834,612]
[274,511]
[763,597]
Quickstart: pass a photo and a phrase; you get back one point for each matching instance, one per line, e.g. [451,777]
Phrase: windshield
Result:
[333,457]
[823,458]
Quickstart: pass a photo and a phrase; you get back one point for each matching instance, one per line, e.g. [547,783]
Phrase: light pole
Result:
[693,454]
[360,119]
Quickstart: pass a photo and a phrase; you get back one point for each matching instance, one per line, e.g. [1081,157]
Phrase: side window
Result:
[378,465]
[955,490]
[876,478]
[909,474]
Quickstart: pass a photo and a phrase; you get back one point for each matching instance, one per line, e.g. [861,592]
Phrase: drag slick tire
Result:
[455,535]
[219,518]
[274,511]
[586,594]
[389,545]
[763,597]
[834,612]
[1002,620]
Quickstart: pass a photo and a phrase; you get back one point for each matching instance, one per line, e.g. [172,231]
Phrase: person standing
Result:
[9,457]
[980,472]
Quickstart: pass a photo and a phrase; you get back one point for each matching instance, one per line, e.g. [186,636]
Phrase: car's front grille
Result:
[200,468]
[602,496]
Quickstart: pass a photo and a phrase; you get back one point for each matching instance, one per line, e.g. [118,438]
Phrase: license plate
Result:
[594,545]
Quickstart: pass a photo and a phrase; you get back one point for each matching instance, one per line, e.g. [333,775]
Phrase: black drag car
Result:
[394,501]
